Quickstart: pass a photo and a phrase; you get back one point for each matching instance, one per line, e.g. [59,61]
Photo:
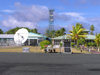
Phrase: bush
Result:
[72,44]
[91,44]
[86,44]
[44,43]
[61,44]
[81,41]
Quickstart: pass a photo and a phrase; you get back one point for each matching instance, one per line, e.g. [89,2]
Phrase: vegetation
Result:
[33,30]
[77,32]
[92,29]
[60,32]
[97,40]
[72,44]
[50,33]
[44,43]
[1,31]
[81,41]
[13,31]
[61,44]
[54,33]
[90,44]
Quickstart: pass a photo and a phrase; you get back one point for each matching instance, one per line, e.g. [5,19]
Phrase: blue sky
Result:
[34,13]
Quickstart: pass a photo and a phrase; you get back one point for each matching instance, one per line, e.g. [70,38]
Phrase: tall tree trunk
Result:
[98,48]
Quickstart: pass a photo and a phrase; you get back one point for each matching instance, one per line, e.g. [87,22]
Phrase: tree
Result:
[14,30]
[50,34]
[97,40]
[57,33]
[47,33]
[34,30]
[44,43]
[77,32]
[1,31]
[62,31]
[81,41]
[92,29]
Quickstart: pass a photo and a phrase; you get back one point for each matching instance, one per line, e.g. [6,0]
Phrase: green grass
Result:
[19,49]
[36,49]
[74,50]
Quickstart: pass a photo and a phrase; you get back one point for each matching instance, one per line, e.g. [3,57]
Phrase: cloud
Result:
[80,3]
[89,2]
[7,11]
[31,16]
[62,17]
[77,16]
[12,22]
[96,22]
[25,16]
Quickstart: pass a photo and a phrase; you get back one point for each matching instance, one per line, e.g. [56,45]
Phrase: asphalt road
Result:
[49,64]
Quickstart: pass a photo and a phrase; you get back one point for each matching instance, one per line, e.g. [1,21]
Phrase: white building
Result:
[33,39]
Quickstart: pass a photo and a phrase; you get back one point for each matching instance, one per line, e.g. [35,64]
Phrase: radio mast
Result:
[51,20]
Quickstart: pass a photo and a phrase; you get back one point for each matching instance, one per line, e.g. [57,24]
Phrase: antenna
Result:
[51,20]
[21,36]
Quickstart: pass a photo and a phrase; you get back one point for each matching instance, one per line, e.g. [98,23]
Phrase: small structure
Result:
[66,43]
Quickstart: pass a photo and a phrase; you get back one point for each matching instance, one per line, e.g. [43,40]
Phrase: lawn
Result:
[19,49]
[79,51]
[36,49]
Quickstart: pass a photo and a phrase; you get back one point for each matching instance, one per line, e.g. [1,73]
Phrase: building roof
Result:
[35,36]
[6,35]
[30,36]
[88,37]
[62,37]
[86,30]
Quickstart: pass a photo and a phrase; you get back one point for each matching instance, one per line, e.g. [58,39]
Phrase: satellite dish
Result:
[21,36]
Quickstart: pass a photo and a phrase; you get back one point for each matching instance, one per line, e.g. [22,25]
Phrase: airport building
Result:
[33,39]
[57,40]
[66,40]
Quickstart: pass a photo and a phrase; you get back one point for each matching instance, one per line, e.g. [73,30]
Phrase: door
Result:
[67,46]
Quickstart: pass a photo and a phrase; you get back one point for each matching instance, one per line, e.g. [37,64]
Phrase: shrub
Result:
[72,44]
[61,44]
[91,44]
[81,41]
[44,43]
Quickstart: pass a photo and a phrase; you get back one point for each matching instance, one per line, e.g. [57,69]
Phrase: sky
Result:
[34,14]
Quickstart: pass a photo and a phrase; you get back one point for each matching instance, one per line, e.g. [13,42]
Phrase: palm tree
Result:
[1,31]
[62,31]
[77,32]
[34,30]
[57,33]
[97,40]
[92,29]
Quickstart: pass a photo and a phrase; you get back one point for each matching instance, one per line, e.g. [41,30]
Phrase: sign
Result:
[26,49]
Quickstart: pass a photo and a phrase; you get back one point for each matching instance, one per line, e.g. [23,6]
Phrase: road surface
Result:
[49,64]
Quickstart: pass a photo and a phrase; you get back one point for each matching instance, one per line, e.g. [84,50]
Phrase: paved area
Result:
[49,64]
